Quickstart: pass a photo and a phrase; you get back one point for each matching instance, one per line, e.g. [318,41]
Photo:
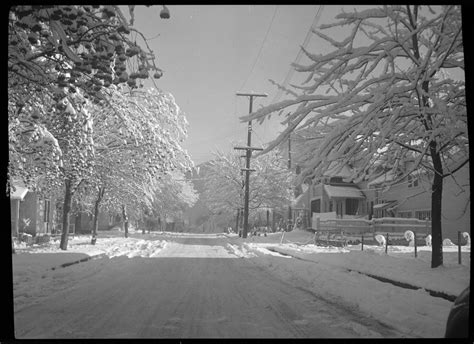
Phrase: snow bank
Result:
[413,312]
[111,247]
[333,273]
[240,251]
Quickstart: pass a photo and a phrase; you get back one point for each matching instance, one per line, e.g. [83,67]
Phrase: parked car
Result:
[457,325]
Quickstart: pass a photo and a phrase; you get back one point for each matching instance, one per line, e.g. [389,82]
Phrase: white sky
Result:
[210,52]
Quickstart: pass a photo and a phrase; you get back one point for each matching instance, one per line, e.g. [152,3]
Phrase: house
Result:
[335,194]
[411,198]
[83,222]
[30,212]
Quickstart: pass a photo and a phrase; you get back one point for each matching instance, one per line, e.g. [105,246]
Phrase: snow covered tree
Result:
[270,184]
[172,195]
[50,144]
[392,91]
[137,138]
[87,47]
[55,52]
[59,59]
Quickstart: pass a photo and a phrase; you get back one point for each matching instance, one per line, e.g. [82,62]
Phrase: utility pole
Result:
[289,168]
[248,155]
[240,210]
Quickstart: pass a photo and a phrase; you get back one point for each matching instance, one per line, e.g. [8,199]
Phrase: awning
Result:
[19,193]
[343,192]
[382,206]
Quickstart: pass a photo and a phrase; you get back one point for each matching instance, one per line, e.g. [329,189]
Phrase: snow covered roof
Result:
[19,193]
[386,177]
[336,170]
[343,191]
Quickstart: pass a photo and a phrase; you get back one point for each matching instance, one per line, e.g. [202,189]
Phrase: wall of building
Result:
[14,211]
[456,213]
[415,201]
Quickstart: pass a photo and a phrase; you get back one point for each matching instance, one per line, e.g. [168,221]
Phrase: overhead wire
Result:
[261,47]
[299,55]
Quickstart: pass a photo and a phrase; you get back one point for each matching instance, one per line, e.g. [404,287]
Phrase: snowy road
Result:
[192,288]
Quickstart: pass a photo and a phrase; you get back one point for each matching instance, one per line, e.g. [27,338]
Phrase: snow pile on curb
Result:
[240,252]
[450,279]
[412,312]
[327,271]
[263,249]
[111,247]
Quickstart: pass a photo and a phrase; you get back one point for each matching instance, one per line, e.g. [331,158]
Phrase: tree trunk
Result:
[237,221]
[96,214]
[436,204]
[66,210]
[125,220]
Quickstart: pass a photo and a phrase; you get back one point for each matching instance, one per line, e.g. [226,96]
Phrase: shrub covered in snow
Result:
[428,240]
[447,242]
[380,239]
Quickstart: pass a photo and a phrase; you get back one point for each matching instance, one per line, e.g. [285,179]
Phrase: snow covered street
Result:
[176,285]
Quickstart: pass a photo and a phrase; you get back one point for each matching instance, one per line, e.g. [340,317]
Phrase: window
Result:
[351,206]
[423,214]
[404,214]
[412,181]
[316,206]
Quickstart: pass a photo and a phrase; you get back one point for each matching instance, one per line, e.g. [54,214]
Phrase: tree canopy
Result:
[391,91]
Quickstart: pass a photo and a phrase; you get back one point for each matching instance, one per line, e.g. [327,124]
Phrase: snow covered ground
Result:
[338,274]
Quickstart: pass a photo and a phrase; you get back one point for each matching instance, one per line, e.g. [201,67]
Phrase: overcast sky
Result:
[207,53]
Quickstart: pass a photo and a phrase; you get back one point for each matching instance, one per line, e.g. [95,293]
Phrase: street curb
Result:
[404,285]
[78,261]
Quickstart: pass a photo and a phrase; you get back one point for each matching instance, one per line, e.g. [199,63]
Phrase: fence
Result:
[352,230]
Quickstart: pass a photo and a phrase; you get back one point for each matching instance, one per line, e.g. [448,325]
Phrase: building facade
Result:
[409,198]
[30,212]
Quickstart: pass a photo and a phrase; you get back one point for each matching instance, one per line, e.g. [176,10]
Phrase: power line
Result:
[300,54]
[261,47]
